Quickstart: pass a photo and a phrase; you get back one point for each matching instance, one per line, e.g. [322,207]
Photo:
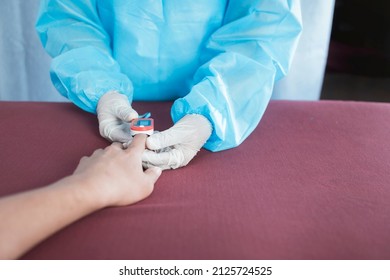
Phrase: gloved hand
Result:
[176,146]
[114,113]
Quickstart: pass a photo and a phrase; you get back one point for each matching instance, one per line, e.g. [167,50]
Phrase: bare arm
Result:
[110,177]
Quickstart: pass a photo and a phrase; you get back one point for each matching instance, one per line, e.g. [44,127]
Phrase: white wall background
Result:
[304,81]
[24,65]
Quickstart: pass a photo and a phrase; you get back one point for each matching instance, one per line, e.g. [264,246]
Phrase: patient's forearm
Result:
[30,217]
[109,177]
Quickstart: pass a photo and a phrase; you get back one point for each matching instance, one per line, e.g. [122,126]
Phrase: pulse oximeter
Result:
[142,125]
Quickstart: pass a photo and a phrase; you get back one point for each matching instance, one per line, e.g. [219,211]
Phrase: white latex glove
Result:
[114,113]
[176,146]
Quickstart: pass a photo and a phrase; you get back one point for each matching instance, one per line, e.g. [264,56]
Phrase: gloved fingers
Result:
[171,158]
[163,139]
[119,134]
[192,130]
[147,165]
[125,113]
[116,104]
[174,158]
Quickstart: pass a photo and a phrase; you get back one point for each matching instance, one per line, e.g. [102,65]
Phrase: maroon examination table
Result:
[311,182]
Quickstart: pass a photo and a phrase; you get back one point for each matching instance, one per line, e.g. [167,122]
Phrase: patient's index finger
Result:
[138,143]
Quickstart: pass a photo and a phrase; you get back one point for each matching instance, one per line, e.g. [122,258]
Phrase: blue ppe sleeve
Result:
[83,68]
[253,49]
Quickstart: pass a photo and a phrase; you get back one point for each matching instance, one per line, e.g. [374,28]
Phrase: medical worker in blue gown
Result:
[217,59]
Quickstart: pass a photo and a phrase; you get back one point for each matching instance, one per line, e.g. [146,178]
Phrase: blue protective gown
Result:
[218,58]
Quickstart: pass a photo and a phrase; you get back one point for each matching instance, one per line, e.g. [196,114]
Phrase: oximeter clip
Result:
[142,125]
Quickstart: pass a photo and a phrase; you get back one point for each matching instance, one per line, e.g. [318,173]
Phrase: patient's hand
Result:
[109,177]
[115,176]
